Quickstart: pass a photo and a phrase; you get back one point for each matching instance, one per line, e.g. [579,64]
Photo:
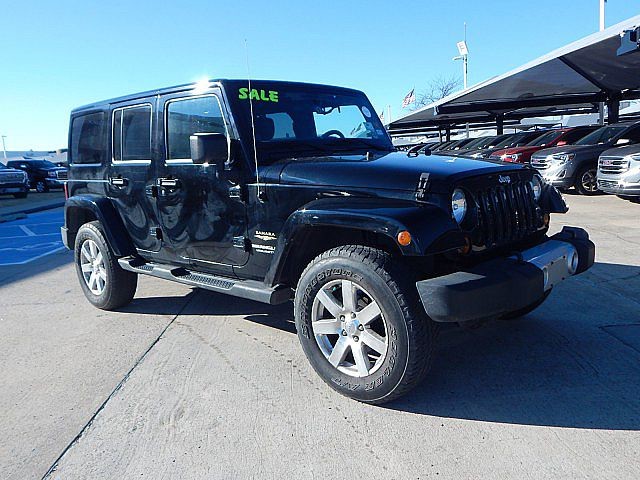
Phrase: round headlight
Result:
[536,186]
[458,205]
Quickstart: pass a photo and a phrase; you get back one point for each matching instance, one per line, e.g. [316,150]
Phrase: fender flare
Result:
[432,228]
[103,210]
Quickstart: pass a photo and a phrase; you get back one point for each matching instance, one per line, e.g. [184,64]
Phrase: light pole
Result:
[464,56]
[4,148]
[601,104]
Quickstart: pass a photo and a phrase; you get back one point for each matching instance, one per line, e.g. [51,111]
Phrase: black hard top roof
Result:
[209,83]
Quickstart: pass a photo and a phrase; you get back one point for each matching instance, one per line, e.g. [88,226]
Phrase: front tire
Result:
[361,324]
[105,284]
[586,181]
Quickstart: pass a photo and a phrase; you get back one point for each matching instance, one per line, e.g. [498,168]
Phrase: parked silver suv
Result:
[619,171]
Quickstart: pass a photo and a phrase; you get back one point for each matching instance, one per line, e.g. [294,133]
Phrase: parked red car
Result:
[553,138]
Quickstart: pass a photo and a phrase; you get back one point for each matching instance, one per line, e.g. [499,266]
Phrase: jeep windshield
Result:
[295,120]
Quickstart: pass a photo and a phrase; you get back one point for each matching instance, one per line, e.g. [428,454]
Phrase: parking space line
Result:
[27,231]
[57,249]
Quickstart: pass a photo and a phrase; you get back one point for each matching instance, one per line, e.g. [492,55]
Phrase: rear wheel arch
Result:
[82,210]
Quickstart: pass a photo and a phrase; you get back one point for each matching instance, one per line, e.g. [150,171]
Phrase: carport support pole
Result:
[499,124]
[448,130]
[613,107]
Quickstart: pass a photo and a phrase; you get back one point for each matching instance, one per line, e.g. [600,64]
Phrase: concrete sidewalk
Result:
[12,208]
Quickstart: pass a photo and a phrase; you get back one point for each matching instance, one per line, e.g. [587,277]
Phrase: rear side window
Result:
[132,133]
[188,116]
[88,139]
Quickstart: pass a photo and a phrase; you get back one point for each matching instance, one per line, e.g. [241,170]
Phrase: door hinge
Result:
[239,192]
[242,242]
[156,232]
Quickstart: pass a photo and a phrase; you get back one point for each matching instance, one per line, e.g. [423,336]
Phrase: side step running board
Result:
[250,289]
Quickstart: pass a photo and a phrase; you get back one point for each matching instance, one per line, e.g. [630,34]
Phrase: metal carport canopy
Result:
[571,79]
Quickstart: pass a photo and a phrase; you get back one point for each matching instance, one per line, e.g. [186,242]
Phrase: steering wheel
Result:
[337,133]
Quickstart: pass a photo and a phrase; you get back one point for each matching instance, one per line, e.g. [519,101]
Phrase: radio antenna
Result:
[253,123]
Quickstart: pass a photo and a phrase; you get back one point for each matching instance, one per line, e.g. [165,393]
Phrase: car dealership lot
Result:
[192,384]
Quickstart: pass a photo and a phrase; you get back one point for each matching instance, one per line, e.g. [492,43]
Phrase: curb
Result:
[14,215]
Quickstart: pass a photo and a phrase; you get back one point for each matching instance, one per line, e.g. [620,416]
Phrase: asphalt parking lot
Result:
[191,384]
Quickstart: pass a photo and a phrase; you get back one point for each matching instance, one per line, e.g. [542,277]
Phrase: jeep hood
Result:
[393,171]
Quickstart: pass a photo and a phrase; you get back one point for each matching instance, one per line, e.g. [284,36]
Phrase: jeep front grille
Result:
[507,213]
[613,165]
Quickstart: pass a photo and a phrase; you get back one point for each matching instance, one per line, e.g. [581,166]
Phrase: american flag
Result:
[409,98]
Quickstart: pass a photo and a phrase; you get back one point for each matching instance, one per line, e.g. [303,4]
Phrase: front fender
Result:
[432,228]
[82,208]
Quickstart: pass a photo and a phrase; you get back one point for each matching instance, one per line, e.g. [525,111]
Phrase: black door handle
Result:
[119,182]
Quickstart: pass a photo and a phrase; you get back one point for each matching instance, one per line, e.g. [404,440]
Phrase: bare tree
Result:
[438,88]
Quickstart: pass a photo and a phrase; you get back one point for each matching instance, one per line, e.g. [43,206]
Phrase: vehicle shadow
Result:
[204,302]
[14,273]
[574,362]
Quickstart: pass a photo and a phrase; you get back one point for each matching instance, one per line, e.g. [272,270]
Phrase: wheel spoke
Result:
[348,296]
[93,249]
[102,273]
[327,327]
[369,313]
[374,341]
[92,280]
[362,361]
[339,352]
[99,258]
[330,303]
[85,251]
[86,267]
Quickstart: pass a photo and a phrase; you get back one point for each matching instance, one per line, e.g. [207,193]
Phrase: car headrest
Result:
[265,128]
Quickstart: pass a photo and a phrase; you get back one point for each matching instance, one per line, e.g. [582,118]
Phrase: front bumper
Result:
[54,183]
[505,285]
[7,188]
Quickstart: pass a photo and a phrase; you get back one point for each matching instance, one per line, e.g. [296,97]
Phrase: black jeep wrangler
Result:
[278,191]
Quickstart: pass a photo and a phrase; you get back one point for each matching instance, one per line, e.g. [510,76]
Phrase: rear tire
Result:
[586,181]
[376,346]
[41,186]
[105,284]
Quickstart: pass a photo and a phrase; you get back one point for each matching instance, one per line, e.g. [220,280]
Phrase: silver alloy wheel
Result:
[40,187]
[93,267]
[349,328]
[589,181]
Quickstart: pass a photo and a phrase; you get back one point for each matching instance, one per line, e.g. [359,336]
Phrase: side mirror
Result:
[211,148]
[623,141]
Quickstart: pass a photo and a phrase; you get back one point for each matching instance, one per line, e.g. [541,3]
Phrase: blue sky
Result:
[59,55]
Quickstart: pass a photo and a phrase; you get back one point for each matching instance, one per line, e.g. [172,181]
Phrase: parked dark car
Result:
[43,175]
[577,165]
[510,141]
[283,191]
[13,182]
[553,138]
[476,145]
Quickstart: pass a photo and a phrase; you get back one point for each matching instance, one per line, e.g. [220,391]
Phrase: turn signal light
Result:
[404,238]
